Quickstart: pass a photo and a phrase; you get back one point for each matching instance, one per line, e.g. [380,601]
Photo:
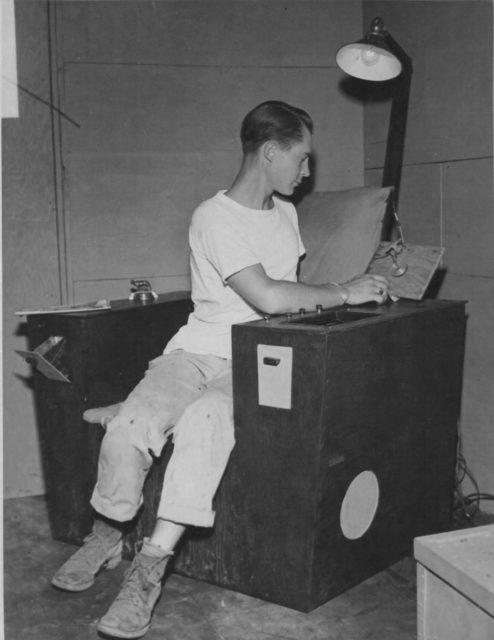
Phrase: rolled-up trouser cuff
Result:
[118,512]
[185,515]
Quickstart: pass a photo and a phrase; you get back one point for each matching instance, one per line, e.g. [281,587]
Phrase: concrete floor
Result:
[381,608]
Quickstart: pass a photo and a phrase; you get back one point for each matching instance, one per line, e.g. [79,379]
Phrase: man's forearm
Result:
[281,296]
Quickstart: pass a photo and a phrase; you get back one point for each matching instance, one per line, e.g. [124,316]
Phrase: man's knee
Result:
[123,439]
[206,424]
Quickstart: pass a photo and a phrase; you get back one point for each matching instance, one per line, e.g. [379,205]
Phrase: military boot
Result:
[130,614]
[101,549]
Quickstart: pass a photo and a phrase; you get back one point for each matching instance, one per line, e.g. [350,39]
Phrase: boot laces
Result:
[141,579]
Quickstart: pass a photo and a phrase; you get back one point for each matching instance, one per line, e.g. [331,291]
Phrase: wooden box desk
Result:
[345,438]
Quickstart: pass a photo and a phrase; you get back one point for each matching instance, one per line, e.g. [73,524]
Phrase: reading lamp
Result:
[377,58]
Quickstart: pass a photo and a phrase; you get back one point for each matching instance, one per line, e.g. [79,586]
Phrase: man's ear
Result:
[269,149]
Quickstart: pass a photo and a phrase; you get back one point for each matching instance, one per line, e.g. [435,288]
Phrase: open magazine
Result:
[99,305]
[408,267]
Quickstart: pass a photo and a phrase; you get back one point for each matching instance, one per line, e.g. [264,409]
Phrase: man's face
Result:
[290,166]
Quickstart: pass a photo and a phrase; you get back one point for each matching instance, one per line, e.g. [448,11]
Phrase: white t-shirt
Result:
[225,237]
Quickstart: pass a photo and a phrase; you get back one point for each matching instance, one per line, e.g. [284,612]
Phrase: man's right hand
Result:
[366,288]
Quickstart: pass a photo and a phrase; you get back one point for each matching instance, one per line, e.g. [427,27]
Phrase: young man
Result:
[245,247]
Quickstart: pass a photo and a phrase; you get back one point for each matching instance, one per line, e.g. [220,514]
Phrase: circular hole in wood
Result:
[359,505]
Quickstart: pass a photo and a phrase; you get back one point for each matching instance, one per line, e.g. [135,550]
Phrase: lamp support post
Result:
[395,144]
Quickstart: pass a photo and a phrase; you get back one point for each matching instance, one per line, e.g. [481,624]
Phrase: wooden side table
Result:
[455,585]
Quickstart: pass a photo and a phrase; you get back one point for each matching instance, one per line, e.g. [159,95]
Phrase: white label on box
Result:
[274,369]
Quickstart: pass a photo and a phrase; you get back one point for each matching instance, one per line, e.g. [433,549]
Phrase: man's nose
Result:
[305,171]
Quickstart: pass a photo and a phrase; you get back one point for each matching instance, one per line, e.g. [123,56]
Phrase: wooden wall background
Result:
[152,95]
[447,182]
[158,90]
[31,241]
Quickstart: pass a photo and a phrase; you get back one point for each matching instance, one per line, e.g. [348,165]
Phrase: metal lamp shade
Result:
[368,61]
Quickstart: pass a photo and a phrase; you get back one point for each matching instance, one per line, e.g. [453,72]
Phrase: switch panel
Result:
[274,369]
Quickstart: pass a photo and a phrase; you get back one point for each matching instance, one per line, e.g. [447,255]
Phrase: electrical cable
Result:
[466,506]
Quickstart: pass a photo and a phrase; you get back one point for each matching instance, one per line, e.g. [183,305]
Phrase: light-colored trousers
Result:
[188,396]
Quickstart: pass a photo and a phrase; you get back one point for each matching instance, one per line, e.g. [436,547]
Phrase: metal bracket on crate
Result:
[44,358]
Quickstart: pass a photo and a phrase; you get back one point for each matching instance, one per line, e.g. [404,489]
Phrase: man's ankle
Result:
[153,550]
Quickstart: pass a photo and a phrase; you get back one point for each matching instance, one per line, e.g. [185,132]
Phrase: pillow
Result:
[340,231]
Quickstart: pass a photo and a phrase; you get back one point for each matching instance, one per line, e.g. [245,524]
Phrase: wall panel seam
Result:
[198,66]
[442,162]
[122,278]
[59,205]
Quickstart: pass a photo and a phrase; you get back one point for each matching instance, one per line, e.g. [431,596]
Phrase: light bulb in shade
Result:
[370,56]
[368,61]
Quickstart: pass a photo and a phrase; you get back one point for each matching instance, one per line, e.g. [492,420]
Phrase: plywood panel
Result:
[154,142]
[30,258]
[468,212]
[233,33]
[130,214]
[478,385]
[159,90]
[247,34]
[161,109]
[450,131]
[420,205]
[450,114]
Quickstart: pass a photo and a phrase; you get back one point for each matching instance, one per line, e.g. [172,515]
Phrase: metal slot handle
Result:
[272,362]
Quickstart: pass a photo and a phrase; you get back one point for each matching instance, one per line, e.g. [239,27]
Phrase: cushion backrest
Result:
[340,231]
